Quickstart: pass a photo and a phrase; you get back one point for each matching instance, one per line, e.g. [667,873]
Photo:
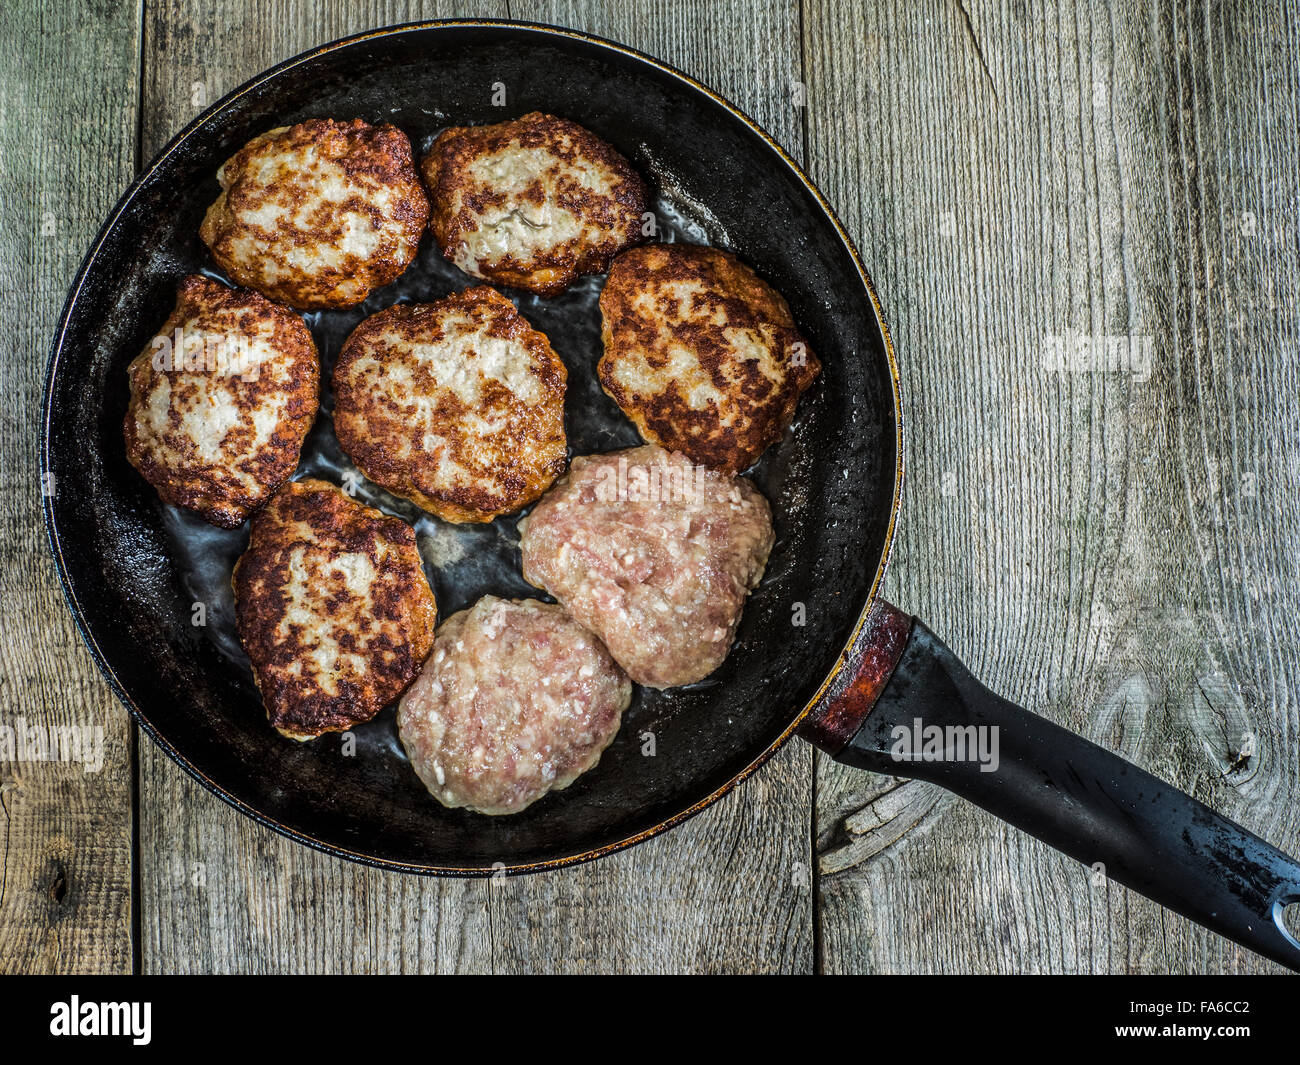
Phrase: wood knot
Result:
[1221,713]
[58,889]
[895,809]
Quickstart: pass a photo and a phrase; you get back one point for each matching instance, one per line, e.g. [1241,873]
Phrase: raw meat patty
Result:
[654,555]
[333,608]
[318,214]
[516,700]
[532,203]
[221,400]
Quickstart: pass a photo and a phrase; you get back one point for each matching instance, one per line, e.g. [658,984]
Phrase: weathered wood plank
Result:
[67,149]
[728,891]
[1114,548]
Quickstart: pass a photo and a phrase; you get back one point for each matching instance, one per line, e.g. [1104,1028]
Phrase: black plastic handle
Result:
[1077,797]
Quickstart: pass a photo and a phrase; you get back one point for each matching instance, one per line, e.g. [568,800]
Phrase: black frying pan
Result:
[133,568]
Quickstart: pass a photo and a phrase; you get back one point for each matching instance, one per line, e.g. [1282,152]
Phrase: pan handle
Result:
[906,706]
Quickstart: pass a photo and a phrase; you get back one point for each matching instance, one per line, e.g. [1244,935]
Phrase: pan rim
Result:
[106,668]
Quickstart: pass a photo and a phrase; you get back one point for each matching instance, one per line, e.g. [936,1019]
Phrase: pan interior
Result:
[135,568]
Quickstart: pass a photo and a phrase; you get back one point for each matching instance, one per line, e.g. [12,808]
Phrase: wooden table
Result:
[1111,538]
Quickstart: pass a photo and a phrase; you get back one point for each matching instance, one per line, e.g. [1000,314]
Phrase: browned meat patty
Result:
[332,606]
[456,405]
[318,214]
[516,700]
[654,555]
[701,354]
[221,400]
[534,203]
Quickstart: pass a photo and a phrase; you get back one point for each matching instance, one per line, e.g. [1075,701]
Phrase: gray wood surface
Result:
[68,97]
[1115,548]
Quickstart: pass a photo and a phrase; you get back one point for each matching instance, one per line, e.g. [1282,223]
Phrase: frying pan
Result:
[817,652]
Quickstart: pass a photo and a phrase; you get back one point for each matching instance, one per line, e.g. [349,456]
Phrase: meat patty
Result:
[332,606]
[532,203]
[654,555]
[701,355]
[456,405]
[221,400]
[516,700]
[318,214]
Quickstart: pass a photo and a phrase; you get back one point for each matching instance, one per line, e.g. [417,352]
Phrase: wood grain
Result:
[1114,546]
[729,891]
[67,149]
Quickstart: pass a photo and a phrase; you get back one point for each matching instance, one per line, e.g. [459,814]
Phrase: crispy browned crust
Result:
[754,409]
[225,494]
[377,160]
[310,525]
[380,425]
[459,202]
